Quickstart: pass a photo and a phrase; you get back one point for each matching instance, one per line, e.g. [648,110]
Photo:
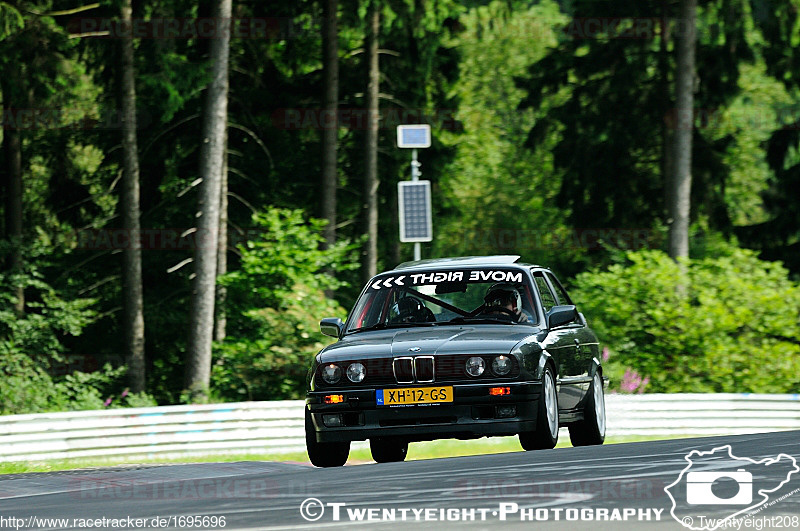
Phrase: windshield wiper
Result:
[383,326]
[462,319]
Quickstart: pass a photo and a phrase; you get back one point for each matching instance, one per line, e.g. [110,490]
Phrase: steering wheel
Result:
[503,309]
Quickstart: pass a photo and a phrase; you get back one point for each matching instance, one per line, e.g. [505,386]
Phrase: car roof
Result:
[432,263]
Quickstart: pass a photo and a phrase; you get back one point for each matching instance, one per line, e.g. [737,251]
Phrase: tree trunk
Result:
[330,131]
[221,319]
[681,185]
[668,126]
[369,264]
[133,299]
[201,325]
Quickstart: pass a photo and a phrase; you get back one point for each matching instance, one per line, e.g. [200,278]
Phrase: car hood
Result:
[486,339]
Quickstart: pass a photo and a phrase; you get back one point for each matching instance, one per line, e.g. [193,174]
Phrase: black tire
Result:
[546,434]
[388,450]
[592,429]
[324,455]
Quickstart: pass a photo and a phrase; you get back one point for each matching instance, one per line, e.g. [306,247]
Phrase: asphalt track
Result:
[606,487]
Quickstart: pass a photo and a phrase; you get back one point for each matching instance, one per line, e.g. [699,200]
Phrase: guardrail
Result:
[276,427]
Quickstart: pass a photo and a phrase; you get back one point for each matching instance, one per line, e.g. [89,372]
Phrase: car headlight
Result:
[475,366]
[331,373]
[501,365]
[356,372]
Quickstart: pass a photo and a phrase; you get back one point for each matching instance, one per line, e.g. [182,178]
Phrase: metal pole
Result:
[415,177]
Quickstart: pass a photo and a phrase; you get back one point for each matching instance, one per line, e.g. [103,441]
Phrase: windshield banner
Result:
[439,277]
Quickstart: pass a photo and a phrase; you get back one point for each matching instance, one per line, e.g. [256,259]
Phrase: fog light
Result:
[500,391]
[332,421]
[504,412]
[333,399]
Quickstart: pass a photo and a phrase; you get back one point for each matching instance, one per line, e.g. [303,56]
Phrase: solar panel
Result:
[414,199]
[414,136]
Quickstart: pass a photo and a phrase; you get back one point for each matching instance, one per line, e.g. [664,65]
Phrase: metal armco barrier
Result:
[276,427]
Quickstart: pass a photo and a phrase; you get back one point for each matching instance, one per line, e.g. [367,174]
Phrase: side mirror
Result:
[331,326]
[561,315]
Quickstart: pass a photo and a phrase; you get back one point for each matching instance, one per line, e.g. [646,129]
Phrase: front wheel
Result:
[327,454]
[592,429]
[388,450]
[546,434]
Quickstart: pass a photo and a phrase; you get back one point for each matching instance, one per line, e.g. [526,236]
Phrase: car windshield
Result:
[430,298]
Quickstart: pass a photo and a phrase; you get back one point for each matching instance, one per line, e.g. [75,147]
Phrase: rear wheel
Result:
[388,450]
[592,429]
[546,434]
[328,454]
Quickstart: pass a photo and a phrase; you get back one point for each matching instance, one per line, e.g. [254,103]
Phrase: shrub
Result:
[275,302]
[32,347]
[718,324]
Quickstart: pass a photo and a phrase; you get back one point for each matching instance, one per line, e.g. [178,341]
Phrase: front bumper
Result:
[473,413]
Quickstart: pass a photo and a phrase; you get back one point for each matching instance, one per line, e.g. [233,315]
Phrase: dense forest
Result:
[189,186]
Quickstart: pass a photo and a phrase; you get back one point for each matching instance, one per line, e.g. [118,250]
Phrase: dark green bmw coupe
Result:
[455,348]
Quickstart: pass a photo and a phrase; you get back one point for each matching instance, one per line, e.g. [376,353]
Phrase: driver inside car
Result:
[504,300]
[410,310]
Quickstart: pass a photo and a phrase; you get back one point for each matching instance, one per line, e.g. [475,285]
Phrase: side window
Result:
[548,300]
[560,291]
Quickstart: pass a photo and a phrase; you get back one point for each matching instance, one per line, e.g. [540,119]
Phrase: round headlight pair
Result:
[501,365]
[475,366]
[332,373]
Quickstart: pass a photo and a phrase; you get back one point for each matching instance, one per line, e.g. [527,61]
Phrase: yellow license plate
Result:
[414,395]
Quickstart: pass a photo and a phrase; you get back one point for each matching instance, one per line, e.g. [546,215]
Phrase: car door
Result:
[587,346]
[561,345]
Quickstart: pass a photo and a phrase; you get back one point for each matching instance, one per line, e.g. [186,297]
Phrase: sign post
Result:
[414,197]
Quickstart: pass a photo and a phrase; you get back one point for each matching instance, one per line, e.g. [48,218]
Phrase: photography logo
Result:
[699,488]
[716,486]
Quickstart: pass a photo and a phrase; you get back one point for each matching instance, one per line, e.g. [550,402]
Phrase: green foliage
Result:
[492,169]
[516,167]
[26,388]
[720,324]
[275,301]
[11,20]
[33,349]
[38,333]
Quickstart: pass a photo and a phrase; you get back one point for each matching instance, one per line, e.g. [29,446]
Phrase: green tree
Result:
[276,299]
[778,237]
[499,195]
[733,328]
[615,123]
[215,122]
